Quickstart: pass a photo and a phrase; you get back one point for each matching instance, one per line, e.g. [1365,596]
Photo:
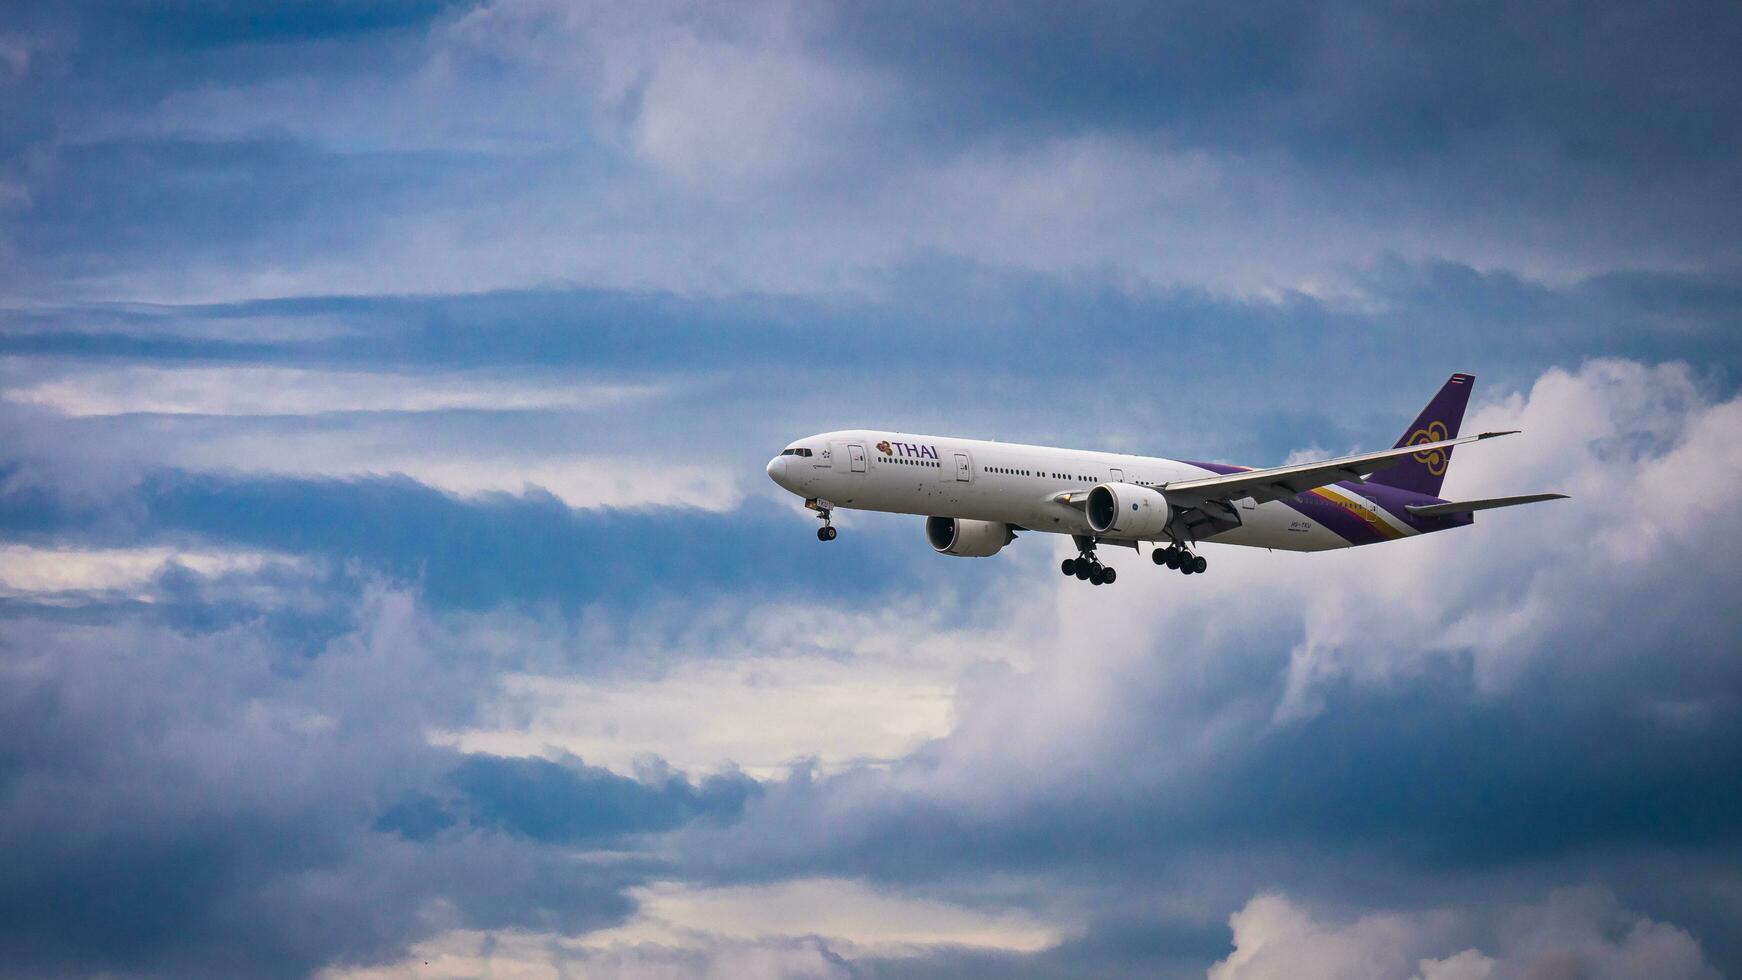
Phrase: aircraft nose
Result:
[776,468]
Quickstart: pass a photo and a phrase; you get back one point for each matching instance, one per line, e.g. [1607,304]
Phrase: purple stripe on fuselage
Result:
[1350,527]
[1394,501]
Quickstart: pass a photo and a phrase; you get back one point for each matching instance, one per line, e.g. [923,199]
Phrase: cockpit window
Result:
[795,452]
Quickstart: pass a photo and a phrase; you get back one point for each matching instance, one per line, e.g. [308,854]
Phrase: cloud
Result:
[717,118]
[847,914]
[259,390]
[785,686]
[807,149]
[807,928]
[472,953]
[25,569]
[1571,934]
[438,450]
[201,801]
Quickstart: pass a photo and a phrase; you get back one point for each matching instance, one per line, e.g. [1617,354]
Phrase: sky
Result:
[390,585]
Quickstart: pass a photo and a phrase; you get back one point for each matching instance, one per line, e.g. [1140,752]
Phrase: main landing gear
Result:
[1175,557]
[1090,569]
[1086,566]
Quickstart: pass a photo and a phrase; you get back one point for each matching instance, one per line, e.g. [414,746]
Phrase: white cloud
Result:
[792,685]
[256,390]
[275,420]
[578,481]
[848,914]
[519,955]
[1274,939]
[723,118]
[811,928]
[1581,933]
[26,570]
[465,461]
[467,469]
[762,715]
[1467,965]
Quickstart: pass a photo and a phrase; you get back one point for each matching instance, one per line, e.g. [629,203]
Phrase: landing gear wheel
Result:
[1159,556]
[1199,565]
[1186,566]
[1098,577]
[1068,566]
[823,533]
[1108,575]
[1173,558]
[1084,569]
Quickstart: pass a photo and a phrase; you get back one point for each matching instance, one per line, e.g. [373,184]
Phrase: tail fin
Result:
[1424,472]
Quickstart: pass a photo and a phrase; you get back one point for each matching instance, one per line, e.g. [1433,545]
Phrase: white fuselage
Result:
[971,479]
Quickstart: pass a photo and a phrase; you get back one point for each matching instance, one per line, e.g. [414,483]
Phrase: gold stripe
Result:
[1373,520]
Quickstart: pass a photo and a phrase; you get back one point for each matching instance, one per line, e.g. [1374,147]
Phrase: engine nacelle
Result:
[967,539]
[1127,510]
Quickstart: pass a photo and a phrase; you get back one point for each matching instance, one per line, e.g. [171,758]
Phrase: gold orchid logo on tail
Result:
[1434,459]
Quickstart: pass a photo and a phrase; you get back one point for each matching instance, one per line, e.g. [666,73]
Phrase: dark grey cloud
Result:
[1369,88]
[224,799]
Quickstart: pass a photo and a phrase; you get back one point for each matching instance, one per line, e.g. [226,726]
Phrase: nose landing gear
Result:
[824,513]
[1176,557]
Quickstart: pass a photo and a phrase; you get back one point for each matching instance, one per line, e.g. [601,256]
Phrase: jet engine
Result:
[1127,510]
[967,539]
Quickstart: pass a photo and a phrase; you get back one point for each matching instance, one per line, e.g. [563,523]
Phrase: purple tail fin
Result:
[1424,472]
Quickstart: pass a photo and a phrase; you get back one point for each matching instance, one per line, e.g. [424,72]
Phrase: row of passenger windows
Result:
[1002,470]
[1007,471]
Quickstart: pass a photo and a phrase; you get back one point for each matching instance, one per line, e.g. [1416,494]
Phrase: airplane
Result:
[976,495]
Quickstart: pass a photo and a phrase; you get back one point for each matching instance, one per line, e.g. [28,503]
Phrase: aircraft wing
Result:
[1282,482]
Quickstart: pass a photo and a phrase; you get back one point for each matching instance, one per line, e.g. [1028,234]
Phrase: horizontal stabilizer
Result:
[1283,482]
[1466,506]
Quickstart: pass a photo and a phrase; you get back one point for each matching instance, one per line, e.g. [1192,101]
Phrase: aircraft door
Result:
[964,472]
[856,455]
[1115,475]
